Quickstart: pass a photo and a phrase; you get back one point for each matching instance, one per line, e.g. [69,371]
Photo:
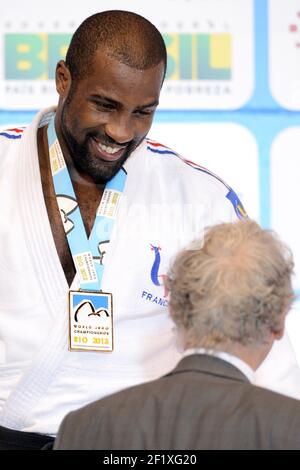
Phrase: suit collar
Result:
[209,365]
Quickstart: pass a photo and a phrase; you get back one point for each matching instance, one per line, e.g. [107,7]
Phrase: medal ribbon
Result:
[86,252]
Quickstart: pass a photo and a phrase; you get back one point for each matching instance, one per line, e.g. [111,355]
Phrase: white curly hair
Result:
[234,288]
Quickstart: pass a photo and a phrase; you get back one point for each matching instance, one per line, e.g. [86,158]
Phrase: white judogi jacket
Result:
[167,202]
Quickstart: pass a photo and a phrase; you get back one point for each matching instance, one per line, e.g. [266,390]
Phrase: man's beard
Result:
[83,160]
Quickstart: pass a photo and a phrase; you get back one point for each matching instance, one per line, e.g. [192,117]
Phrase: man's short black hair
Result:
[124,35]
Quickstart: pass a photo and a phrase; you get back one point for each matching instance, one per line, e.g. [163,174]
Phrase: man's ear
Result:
[62,79]
[278,334]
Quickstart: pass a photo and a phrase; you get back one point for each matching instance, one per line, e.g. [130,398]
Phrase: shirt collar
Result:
[234,360]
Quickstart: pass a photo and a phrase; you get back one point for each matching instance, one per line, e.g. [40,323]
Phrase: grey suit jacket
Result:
[204,403]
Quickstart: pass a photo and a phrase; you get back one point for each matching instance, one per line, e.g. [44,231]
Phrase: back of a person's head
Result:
[234,288]
[125,36]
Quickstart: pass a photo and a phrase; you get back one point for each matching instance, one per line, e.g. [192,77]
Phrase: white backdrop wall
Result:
[231,99]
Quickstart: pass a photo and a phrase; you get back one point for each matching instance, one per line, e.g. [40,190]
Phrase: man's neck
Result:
[253,356]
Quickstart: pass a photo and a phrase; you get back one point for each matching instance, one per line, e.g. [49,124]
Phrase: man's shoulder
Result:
[171,157]
[191,179]
[10,137]
[9,142]
[278,415]
[271,399]
[11,134]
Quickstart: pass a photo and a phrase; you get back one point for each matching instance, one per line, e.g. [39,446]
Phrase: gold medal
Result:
[90,321]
